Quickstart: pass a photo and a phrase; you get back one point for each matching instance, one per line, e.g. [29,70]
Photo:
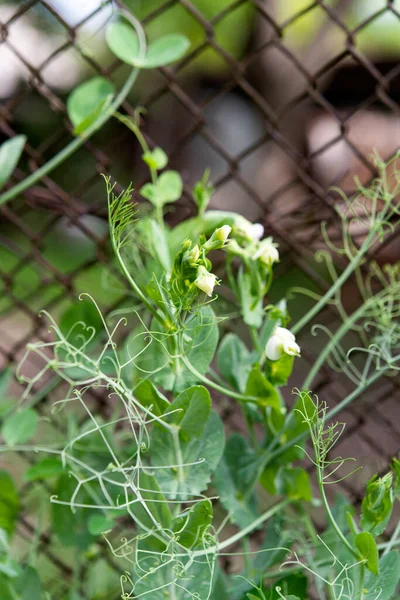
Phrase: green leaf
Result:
[368,549]
[265,392]
[251,305]
[81,322]
[151,398]
[279,371]
[291,587]
[193,408]
[191,527]
[48,467]
[234,361]
[395,467]
[383,585]
[124,43]
[168,188]
[6,404]
[27,585]
[10,152]
[233,478]
[156,158]
[155,502]
[377,505]
[71,527]
[9,502]
[293,482]
[19,427]
[87,101]
[206,451]
[160,245]
[165,51]
[99,523]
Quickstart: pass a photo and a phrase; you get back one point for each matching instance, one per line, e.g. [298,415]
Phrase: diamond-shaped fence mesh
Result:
[280,99]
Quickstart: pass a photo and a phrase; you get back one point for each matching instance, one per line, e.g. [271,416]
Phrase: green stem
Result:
[393,540]
[219,388]
[353,264]
[343,329]
[73,146]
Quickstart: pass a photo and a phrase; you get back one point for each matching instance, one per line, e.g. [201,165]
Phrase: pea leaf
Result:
[9,502]
[19,427]
[44,469]
[383,585]
[87,101]
[124,43]
[262,389]
[252,308]
[168,188]
[201,441]
[81,322]
[156,159]
[235,473]
[155,503]
[234,361]
[279,371]
[293,482]
[10,152]
[151,398]
[71,527]
[27,585]
[191,527]
[98,523]
[368,549]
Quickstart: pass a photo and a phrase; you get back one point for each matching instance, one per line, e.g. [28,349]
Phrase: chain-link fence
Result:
[281,100]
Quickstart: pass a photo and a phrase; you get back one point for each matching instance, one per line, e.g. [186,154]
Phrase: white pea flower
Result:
[282,341]
[257,231]
[205,281]
[267,252]
[252,232]
[222,233]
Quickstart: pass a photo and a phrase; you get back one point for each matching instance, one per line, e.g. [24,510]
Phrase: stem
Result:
[331,518]
[73,146]
[353,264]
[219,388]
[343,329]
[393,540]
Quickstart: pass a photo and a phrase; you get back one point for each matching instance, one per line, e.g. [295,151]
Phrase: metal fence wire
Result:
[282,100]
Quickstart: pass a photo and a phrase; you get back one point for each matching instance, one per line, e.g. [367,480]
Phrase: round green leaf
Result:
[169,187]
[10,152]
[123,42]
[156,159]
[87,101]
[165,50]
[368,549]
[20,427]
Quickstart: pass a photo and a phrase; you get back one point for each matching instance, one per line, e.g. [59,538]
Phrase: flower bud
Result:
[205,281]
[281,342]
[194,254]
[257,231]
[222,233]
[267,252]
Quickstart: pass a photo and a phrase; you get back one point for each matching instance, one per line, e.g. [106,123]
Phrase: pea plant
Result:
[157,493]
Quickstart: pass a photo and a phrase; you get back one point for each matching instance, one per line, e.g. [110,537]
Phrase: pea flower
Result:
[267,252]
[251,231]
[222,233]
[205,280]
[282,341]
